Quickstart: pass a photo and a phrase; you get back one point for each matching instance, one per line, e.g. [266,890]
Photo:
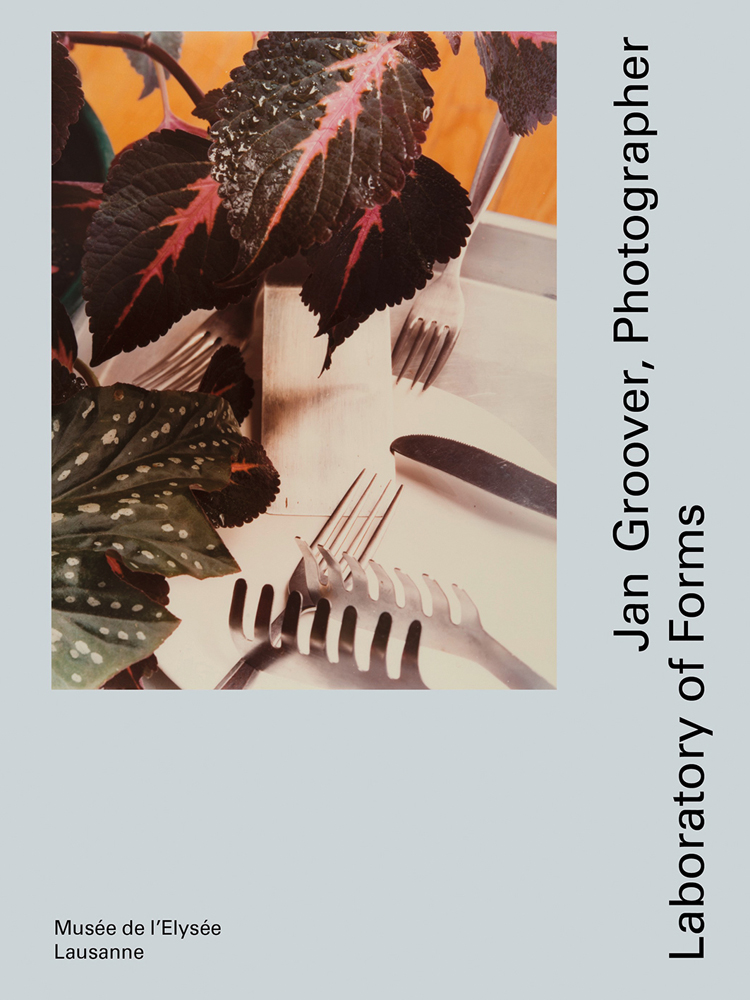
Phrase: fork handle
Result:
[238,676]
[514,673]
[498,150]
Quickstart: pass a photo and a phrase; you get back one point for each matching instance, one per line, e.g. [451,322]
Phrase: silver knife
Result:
[480,468]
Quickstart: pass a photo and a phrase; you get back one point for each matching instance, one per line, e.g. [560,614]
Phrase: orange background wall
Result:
[462,114]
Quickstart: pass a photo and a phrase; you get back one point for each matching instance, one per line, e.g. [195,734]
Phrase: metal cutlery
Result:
[438,310]
[315,668]
[467,638]
[185,366]
[353,528]
[481,468]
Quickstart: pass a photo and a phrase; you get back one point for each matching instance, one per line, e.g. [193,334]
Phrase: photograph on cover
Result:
[304,360]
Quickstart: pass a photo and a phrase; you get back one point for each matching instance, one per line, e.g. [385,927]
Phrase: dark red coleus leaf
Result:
[177,124]
[339,333]
[73,207]
[253,485]
[169,121]
[67,96]
[384,254]
[314,127]
[454,37]
[521,72]
[419,47]
[206,109]
[64,344]
[65,383]
[226,377]
[158,244]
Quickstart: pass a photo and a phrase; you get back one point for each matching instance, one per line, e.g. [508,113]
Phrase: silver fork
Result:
[184,367]
[316,668]
[438,310]
[343,532]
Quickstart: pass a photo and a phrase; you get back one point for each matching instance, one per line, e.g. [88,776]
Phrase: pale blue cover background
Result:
[461,844]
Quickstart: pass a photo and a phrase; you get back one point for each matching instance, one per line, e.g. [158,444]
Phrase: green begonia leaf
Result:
[123,464]
[107,626]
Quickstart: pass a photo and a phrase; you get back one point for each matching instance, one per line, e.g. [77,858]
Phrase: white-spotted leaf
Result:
[100,624]
[123,464]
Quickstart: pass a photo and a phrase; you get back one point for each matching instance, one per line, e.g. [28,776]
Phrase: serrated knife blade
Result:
[482,469]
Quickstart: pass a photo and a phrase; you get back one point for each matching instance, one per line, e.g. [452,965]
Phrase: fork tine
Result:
[412,593]
[352,543]
[320,627]
[263,612]
[356,570]
[184,349]
[336,533]
[290,620]
[333,568]
[340,534]
[415,347]
[445,352]
[386,590]
[400,348]
[239,595]
[241,672]
[346,637]
[369,550]
[192,371]
[429,350]
[377,667]
[410,656]
[183,364]
[340,537]
[440,604]
[469,612]
[310,568]
[339,507]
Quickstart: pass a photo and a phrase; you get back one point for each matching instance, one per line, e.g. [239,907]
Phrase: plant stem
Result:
[124,40]
[83,369]
[162,78]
